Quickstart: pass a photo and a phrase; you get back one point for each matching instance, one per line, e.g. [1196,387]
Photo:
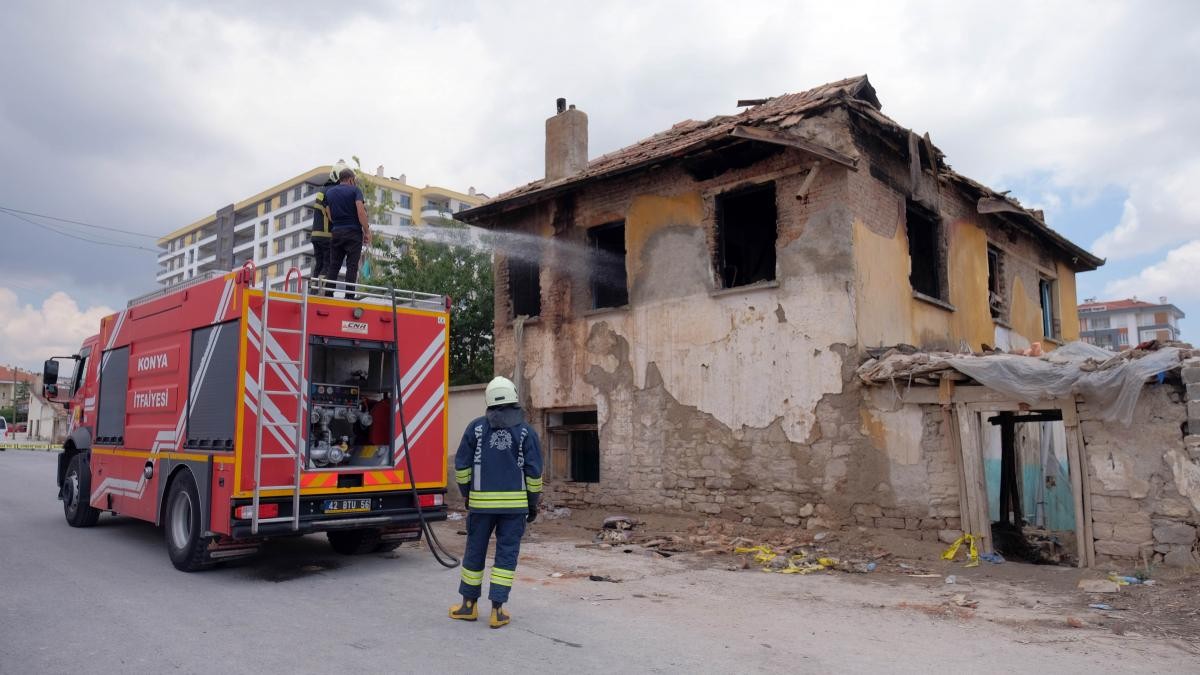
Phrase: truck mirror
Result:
[50,372]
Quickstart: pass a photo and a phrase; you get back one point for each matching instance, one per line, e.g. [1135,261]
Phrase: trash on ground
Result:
[1098,586]
[994,558]
[972,552]
[556,513]
[619,523]
[1101,605]
[1074,622]
[597,577]
[952,579]
[454,515]
[556,575]
[961,600]
[1124,581]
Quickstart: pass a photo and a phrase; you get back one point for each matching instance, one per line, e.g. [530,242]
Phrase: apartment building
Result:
[1121,324]
[271,227]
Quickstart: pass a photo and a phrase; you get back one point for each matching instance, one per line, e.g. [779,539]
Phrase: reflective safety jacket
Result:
[321,219]
[500,466]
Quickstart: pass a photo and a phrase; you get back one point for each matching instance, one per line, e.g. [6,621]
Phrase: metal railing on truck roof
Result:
[364,292]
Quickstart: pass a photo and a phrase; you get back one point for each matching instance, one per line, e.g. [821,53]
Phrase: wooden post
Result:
[979,524]
[1076,461]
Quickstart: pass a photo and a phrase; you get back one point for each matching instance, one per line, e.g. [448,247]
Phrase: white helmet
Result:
[337,170]
[500,391]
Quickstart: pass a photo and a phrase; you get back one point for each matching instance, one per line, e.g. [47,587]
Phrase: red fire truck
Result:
[231,413]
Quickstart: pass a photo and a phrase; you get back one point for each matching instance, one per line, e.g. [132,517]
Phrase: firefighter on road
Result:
[498,468]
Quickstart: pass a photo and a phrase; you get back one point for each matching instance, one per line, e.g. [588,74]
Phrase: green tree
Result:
[430,265]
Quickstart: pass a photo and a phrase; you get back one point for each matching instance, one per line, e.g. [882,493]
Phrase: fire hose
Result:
[435,546]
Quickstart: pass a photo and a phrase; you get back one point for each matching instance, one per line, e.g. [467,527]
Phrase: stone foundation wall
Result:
[1145,480]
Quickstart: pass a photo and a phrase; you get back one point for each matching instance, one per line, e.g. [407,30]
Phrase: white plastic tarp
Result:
[1112,387]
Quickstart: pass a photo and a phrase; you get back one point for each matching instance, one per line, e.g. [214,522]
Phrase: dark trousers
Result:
[345,247]
[320,267]
[509,527]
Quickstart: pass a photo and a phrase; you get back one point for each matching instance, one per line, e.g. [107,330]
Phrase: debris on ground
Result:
[556,513]
[454,516]
[952,579]
[1074,622]
[972,552]
[800,561]
[1098,586]
[960,599]
[619,523]
[598,577]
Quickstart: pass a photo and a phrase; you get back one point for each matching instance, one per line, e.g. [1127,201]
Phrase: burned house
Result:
[685,318]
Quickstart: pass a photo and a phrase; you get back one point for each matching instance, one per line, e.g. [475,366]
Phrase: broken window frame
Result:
[1047,292]
[604,273]
[524,287]
[564,464]
[768,272]
[997,289]
[935,287]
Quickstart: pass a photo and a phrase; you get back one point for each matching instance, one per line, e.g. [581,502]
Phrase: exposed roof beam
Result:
[790,140]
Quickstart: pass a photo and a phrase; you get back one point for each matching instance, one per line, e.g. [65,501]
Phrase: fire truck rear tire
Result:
[181,526]
[76,491]
[353,542]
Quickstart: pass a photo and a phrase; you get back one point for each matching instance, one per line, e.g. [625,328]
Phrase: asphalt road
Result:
[106,599]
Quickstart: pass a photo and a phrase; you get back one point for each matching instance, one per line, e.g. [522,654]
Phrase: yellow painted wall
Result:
[1068,303]
[888,314]
[649,213]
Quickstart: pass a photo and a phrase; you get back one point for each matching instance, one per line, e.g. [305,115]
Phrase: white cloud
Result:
[30,335]
[1172,277]
[215,101]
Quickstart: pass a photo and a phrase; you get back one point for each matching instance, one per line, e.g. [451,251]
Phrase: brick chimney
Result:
[566,142]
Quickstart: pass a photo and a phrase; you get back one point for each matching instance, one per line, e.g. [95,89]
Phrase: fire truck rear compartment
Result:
[349,416]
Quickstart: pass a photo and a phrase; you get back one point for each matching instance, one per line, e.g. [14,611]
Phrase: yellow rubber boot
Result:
[499,618]
[468,610]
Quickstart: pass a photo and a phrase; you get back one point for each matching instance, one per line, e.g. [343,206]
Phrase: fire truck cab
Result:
[230,413]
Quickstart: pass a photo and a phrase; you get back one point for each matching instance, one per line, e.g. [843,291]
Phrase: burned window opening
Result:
[997,297]
[927,266]
[608,279]
[574,446]
[746,232]
[524,287]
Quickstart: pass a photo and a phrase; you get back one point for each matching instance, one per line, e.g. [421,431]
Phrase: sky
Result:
[144,117]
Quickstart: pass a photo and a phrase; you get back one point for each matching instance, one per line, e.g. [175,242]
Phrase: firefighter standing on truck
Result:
[498,468]
[321,236]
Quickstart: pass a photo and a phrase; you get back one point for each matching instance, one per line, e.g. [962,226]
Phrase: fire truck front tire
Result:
[353,542]
[76,491]
[181,526]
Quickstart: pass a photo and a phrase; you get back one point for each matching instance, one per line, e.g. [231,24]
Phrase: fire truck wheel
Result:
[77,487]
[353,542]
[181,525]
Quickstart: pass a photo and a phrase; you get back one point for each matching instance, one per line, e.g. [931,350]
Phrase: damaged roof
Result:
[766,120]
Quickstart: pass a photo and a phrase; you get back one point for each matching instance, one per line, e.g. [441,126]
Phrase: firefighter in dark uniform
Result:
[498,468]
[321,235]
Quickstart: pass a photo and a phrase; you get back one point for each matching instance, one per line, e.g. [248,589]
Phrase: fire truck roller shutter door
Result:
[212,387]
[114,383]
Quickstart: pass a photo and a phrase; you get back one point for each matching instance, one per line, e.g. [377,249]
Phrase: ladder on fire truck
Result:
[296,424]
